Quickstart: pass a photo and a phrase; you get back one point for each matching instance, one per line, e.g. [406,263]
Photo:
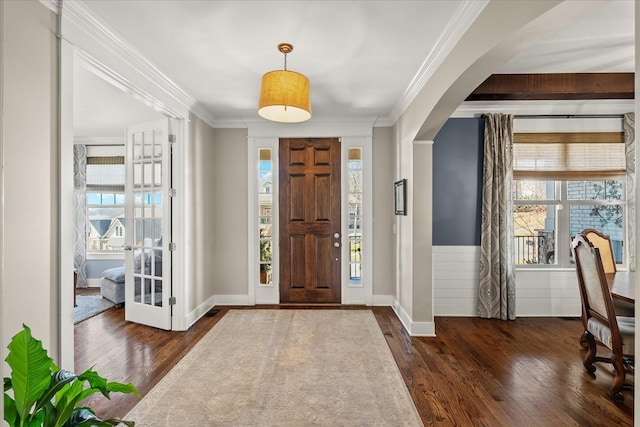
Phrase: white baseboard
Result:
[93,283]
[415,329]
[193,316]
[231,300]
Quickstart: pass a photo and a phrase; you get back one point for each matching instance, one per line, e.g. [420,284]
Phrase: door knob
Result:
[336,235]
[336,244]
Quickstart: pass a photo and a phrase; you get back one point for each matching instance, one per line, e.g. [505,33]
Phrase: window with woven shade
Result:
[568,155]
[105,180]
[565,182]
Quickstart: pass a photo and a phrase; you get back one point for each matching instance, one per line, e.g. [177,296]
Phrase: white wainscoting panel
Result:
[539,292]
[455,280]
[547,293]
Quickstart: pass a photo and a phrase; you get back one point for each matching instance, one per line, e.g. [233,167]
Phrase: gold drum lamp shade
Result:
[284,95]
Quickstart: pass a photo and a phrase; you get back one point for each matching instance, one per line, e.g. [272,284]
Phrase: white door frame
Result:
[169,107]
[267,135]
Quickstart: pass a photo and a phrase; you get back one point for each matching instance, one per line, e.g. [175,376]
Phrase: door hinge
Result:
[172,246]
[172,138]
[172,300]
[172,192]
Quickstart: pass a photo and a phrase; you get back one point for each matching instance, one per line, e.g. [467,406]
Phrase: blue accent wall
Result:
[457,182]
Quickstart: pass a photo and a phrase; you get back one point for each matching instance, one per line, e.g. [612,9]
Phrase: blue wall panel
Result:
[457,182]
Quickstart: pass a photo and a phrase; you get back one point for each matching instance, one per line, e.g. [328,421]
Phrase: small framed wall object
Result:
[400,196]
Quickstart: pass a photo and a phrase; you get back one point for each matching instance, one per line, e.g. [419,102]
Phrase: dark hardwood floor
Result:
[476,372]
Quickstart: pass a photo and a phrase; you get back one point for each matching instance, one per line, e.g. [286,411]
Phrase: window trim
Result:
[100,155]
[563,226]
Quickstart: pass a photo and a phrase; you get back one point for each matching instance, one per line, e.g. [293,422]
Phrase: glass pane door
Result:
[147,289]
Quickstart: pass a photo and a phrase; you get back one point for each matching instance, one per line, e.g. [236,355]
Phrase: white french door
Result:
[148,231]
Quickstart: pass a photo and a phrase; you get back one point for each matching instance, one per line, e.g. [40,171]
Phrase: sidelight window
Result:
[265,216]
[355,214]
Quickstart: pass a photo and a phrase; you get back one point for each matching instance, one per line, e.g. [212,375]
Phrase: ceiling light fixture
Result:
[284,95]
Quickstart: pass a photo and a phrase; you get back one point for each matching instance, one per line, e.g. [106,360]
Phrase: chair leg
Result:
[590,357]
[583,342]
[618,379]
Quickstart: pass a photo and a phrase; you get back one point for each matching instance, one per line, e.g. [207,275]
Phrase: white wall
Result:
[203,236]
[30,168]
[230,216]
[2,37]
[383,218]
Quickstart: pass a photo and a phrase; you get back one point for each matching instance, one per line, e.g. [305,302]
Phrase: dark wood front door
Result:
[310,220]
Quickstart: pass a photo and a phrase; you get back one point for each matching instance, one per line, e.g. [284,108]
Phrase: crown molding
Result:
[81,16]
[467,14]
[52,5]
[120,82]
[258,122]
[311,128]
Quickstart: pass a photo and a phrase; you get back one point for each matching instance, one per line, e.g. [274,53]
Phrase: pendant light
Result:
[284,95]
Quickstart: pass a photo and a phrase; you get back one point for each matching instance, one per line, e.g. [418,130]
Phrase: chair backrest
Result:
[594,289]
[603,243]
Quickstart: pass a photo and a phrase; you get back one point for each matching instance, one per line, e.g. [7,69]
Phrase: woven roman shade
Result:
[105,174]
[568,155]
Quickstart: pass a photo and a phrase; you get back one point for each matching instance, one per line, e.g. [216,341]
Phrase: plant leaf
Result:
[85,417]
[58,380]
[98,383]
[95,381]
[66,401]
[39,419]
[31,369]
[10,413]
[81,416]
[123,388]
[50,414]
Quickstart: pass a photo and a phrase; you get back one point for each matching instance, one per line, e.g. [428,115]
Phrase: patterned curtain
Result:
[80,213]
[630,154]
[497,290]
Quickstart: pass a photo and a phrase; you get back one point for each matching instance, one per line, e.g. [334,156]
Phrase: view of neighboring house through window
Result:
[562,185]
[105,204]
[355,215]
[265,214]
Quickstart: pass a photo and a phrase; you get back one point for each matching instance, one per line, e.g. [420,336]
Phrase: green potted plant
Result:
[42,395]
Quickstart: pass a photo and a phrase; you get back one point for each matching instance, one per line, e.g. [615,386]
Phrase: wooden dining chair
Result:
[599,319]
[603,243]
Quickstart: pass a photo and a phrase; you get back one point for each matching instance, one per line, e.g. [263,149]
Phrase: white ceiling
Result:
[363,58]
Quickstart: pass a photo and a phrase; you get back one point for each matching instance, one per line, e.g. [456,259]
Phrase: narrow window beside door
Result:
[265,214]
[355,216]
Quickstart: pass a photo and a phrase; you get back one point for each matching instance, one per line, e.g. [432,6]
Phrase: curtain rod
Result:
[568,116]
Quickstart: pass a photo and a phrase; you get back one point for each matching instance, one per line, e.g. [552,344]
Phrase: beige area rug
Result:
[284,368]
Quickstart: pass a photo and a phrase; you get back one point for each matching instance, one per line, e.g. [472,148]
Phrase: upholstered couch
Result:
[112,283]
